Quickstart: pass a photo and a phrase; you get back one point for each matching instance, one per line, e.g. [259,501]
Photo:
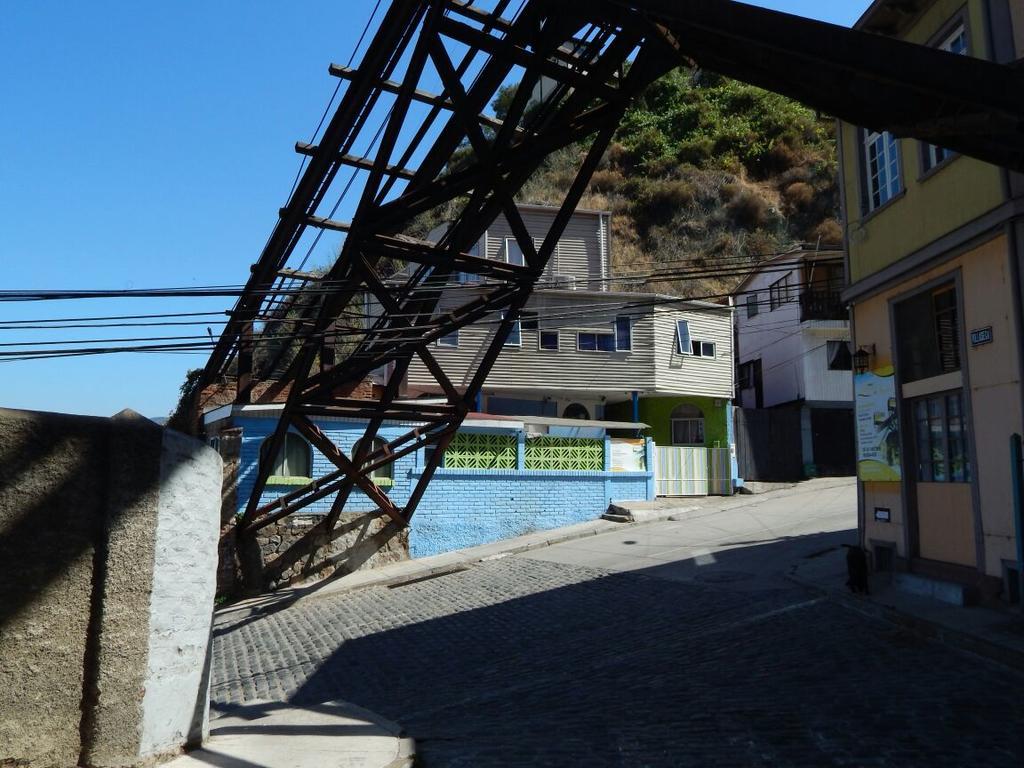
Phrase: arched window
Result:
[687,425]
[383,476]
[295,458]
[576,411]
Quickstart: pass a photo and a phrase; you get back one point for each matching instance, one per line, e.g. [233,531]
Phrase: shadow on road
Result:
[527,662]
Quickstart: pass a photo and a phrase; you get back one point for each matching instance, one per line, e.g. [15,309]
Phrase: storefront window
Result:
[942,440]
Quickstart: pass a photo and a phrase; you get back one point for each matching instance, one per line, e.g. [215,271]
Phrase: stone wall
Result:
[90,624]
[298,548]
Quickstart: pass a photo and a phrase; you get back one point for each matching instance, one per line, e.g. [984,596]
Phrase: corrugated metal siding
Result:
[686,374]
[528,367]
[579,251]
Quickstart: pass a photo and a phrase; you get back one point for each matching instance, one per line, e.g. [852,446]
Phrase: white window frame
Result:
[885,181]
[516,333]
[932,155]
[681,347]
[596,335]
[509,244]
[540,340]
[629,332]
[700,348]
[447,340]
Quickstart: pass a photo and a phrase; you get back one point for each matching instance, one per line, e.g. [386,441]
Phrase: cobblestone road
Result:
[526,662]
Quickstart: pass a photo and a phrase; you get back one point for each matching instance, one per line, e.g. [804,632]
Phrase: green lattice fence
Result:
[472,451]
[576,454]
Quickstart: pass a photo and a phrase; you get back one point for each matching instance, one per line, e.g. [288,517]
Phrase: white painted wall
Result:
[794,363]
[820,383]
[175,704]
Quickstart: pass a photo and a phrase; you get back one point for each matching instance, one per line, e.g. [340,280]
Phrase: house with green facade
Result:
[582,350]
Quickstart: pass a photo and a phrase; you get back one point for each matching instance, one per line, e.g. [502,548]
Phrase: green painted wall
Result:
[657,411]
[929,208]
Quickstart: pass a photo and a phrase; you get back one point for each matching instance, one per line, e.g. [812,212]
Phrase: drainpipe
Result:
[636,407]
[1017,473]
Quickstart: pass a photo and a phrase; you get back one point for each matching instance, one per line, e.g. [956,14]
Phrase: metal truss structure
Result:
[431,70]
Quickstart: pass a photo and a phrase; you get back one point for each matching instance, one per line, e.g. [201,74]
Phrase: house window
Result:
[623,334]
[528,321]
[470,277]
[778,293]
[955,42]
[928,334]
[745,379]
[513,253]
[549,341]
[752,306]
[840,357]
[383,475]
[942,440]
[687,425]
[515,336]
[882,168]
[587,341]
[295,459]
[683,337]
[449,339]
[702,348]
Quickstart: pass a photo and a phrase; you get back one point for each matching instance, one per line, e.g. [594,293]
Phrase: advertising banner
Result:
[878,428]
[628,455]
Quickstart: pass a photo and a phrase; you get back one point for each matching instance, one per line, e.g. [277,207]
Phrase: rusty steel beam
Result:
[599,54]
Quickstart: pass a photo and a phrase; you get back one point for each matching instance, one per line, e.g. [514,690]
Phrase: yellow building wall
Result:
[931,207]
[993,374]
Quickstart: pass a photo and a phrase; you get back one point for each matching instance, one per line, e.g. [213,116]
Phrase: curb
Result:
[924,628]
[410,571]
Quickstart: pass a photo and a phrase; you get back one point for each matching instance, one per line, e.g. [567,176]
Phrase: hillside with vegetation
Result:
[707,175]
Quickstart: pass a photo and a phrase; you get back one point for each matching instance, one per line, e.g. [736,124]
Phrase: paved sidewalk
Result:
[274,735]
[995,634]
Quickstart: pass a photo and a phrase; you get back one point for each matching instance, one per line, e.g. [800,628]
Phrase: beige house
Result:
[935,246]
[584,351]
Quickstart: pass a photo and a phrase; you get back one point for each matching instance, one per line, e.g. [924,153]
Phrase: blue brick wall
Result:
[464,507]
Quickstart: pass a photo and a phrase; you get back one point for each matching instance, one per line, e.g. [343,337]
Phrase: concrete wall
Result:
[657,412]
[993,397]
[89,622]
[177,674]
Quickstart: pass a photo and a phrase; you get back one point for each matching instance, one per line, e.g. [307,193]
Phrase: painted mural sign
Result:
[628,455]
[878,429]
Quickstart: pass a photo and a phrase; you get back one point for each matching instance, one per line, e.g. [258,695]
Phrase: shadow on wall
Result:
[302,548]
[79,499]
[710,661]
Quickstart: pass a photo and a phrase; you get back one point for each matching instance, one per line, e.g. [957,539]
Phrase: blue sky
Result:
[150,145]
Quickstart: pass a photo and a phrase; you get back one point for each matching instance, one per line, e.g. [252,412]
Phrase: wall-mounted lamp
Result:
[862,358]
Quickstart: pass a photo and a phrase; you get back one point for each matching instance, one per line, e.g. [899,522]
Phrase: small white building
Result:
[794,352]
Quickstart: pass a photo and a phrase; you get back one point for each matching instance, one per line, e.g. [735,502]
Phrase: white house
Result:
[793,351]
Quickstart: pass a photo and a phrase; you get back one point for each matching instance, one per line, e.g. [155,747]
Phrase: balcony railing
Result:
[822,305]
